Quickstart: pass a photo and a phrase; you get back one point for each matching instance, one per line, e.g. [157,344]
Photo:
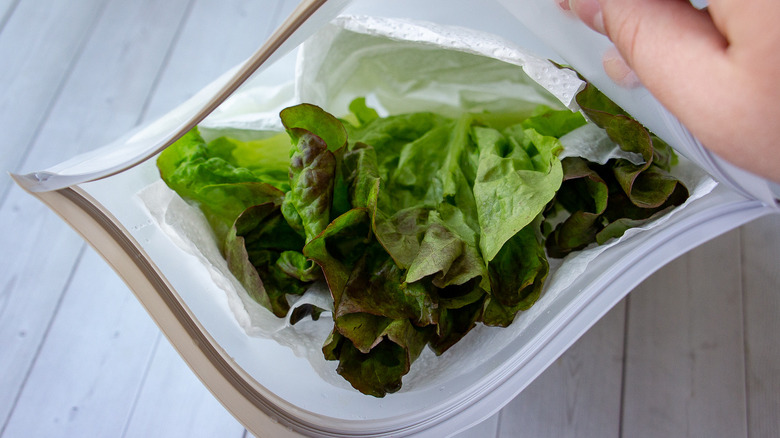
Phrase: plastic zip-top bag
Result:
[441,57]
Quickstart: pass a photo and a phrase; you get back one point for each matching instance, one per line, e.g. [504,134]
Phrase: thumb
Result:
[715,71]
[674,49]
[669,44]
[648,31]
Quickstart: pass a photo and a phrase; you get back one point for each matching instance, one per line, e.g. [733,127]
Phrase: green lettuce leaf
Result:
[267,159]
[552,123]
[296,265]
[388,135]
[448,251]
[211,175]
[361,176]
[363,114]
[518,174]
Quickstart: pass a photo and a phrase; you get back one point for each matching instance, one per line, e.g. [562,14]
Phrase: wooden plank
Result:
[173,403]
[579,394]
[684,373]
[101,99]
[38,44]
[761,289]
[83,373]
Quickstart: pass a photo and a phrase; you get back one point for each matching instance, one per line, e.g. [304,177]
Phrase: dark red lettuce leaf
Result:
[374,352]
[517,276]
[460,308]
[339,247]
[316,135]
[583,193]
[646,185]
[635,193]
[253,249]
[599,207]
[376,286]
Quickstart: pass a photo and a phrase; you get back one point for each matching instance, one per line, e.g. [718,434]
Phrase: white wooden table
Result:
[693,351]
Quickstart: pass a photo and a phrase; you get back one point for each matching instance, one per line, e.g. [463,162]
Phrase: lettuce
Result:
[307,204]
[422,226]
[218,177]
[601,202]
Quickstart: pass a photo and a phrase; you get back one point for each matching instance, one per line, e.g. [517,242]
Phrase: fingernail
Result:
[618,70]
[589,11]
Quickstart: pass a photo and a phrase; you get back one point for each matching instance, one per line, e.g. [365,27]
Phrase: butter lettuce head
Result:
[421,225]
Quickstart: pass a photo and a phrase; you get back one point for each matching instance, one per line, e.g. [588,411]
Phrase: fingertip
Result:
[618,70]
[589,12]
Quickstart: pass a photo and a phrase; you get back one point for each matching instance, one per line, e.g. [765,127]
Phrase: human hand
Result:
[717,69]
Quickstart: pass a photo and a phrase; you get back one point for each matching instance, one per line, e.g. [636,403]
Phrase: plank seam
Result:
[141,384]
[745,338]
[624,366]
[8,15]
